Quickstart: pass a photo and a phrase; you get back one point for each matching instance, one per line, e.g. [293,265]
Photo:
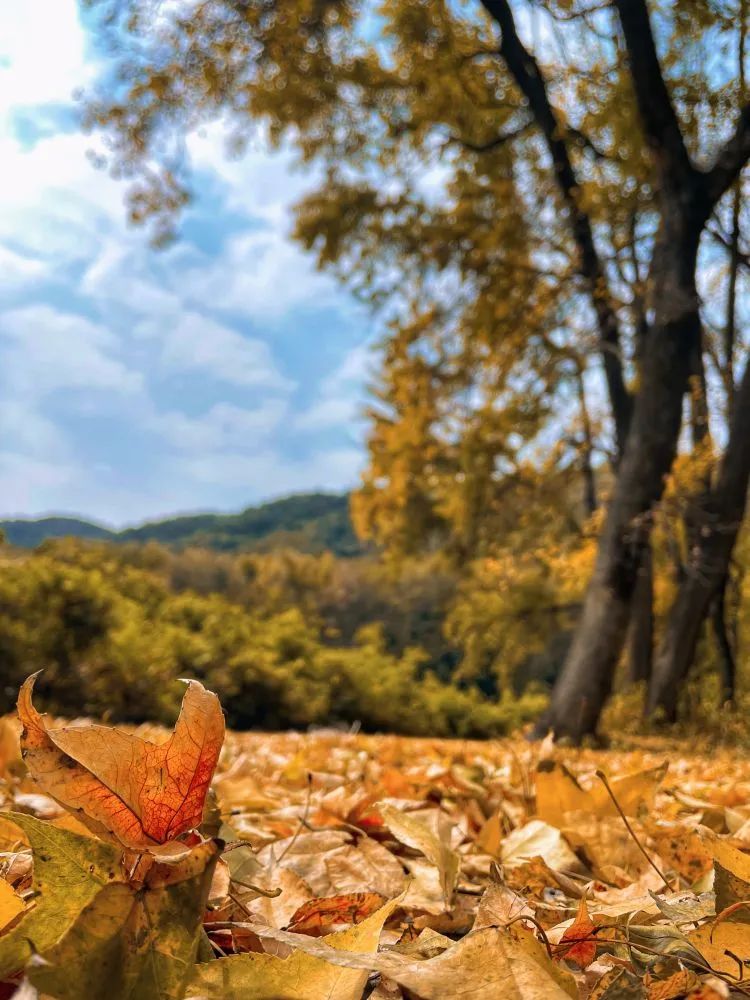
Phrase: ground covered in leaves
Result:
[343,866]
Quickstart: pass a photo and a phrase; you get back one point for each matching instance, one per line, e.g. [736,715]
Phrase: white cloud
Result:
[25,480]
[44,349]
[41,51]
[191,342]
[120,276]
[267,473]
[53,203]
[262,274]
[222,427]
[122,315]
[19,271]
[339,401]
[260,184]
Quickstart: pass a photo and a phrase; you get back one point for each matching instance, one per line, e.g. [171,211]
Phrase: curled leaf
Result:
[142,793]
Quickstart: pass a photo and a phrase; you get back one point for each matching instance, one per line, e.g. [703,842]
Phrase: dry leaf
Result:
[415,833]
[321,916]
[578,943]
[539,840]
[301,976]
[484,965]
[142,793]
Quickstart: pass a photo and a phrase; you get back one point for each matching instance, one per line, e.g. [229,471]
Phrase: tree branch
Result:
[657,113]
[527,74]
[492,144]
[731,158]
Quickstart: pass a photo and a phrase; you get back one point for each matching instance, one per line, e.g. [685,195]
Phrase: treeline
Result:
[285,639]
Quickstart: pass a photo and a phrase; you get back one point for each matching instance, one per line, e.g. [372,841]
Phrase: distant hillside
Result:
[310,522]
[29,534]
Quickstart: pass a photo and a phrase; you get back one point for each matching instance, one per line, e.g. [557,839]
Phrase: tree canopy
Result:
[543,199]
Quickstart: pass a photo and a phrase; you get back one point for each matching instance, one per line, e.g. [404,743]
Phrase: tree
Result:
[506,199]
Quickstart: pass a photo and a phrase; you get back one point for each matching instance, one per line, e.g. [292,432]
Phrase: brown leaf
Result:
[143,794]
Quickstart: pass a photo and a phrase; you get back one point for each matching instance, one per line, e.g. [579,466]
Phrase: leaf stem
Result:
[603,778]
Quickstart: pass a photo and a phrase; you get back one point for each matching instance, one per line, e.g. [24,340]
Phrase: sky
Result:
[137,383]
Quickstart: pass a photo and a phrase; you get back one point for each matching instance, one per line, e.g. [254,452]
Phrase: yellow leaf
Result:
[416,834]
[301,976]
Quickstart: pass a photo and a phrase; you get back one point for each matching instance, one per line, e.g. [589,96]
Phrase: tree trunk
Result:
[709,566]
[586,678]
[640,641]
[727,663]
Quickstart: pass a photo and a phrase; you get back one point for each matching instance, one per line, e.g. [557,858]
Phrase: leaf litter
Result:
[146,865]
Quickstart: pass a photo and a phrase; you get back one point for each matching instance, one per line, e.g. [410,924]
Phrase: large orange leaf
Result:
[141,793]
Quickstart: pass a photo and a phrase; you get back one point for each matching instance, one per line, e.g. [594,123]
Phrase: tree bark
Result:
[640,641]
[709,565]
[727,662]
[686,198]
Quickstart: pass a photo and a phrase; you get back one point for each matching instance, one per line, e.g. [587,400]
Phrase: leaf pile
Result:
[341,866]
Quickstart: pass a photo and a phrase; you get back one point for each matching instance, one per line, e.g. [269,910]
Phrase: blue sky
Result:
[136,383]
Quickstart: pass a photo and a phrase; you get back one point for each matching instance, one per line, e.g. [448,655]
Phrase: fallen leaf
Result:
[321,916]
[133,942]
[578,943]
[484,965]
[679,984]
[725,948]
[11,904]
[143,793]
[559,792]
[69,872]
[538,839]
[415,833]
[301,976]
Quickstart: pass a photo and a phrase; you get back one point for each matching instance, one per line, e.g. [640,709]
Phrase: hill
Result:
[310,522]
[29,534]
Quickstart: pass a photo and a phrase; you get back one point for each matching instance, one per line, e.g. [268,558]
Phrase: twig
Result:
[535,922]
[603,778]
[302,822]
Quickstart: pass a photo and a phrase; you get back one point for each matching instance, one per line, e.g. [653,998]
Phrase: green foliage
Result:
[112,636]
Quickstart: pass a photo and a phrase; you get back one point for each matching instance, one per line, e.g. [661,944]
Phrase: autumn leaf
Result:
[11,904]
[578,943]
[558,792]
[132,942]
[415,833]
[301,976]
[142,793]
[320,916]
[69,872]
[483,965]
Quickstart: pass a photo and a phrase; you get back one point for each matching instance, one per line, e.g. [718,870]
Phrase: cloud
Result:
[41,52]
[192,342]
[339,400]
[262,184]
[262,274]
[92,417]
[19,271]
[266,473]
[44,349]
[222,427]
